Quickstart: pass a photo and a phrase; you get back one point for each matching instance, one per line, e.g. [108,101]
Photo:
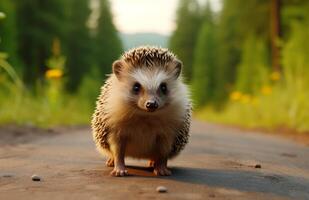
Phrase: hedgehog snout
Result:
[151,105]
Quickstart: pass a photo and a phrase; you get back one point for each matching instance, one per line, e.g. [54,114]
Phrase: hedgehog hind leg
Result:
[151,163]
[160,168]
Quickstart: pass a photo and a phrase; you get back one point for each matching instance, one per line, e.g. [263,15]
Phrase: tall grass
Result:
[25,108]
[281,108]
[48,106]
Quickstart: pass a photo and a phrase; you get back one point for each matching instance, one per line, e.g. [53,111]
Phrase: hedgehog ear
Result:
[118,67]
[177,66]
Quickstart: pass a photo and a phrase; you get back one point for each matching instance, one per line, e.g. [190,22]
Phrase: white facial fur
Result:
[150,79]
[123,99]
[122,105]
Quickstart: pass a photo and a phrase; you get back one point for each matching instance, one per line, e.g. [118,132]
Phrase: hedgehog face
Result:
[149,89]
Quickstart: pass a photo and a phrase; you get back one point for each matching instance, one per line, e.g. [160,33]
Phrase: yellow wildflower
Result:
[235,96]
[266,90]
[275,76]
[53,73]
[245,99]
[254,101]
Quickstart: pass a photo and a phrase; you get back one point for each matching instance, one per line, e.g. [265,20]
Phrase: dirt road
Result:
[218,163]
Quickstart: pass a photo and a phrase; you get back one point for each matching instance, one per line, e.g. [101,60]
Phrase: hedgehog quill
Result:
[143,111]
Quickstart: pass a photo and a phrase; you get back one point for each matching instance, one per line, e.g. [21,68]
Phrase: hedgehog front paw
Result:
[110,162]
[161,171]
[119,171]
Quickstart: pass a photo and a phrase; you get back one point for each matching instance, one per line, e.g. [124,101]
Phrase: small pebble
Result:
[7,175]
[212,195]
[257,166]
[161,189]
[35,178]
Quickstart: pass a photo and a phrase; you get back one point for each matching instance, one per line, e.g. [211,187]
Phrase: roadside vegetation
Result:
[247,64]
[54,57]
[250,61]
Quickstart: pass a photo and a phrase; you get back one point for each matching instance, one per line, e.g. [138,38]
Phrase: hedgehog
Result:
[143,110]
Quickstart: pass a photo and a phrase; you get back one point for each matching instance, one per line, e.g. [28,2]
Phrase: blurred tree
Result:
[295,54]
[229,48]
[5,65]
[8,32]
[38,23]
[205,60]
[252,71]
[79,45]
[237,20]
[108,43]
[183,40]
[275,24]
[292,11]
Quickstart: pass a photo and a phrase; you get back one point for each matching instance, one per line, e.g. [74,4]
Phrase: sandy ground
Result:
[218,163]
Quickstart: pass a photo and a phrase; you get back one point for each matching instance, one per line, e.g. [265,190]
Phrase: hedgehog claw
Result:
[119,171]
[162,171]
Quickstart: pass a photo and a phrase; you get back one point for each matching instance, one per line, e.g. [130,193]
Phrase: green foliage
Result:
[107,40]
[296,56]
[183,40]
[85,50]
[50,105]
[33,25]
[9,70]
[279,109]
[79,46]
[204,64]
[232,58]
[2,15]
[52,36]
[296,70]
[253,70]
[24,108]
[8,31]
[225,54]
[237,20]
[38,22]
[266,100]
[90,87]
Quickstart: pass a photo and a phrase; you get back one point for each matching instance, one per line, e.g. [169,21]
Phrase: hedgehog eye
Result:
[163,88]
[136,88]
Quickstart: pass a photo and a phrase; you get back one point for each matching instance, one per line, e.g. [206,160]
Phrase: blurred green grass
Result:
[46,107]
[280,109]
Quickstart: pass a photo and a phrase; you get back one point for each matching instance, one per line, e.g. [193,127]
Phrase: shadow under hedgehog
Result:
[143,111]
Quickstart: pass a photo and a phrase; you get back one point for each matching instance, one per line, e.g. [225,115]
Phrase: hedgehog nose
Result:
[151,105]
